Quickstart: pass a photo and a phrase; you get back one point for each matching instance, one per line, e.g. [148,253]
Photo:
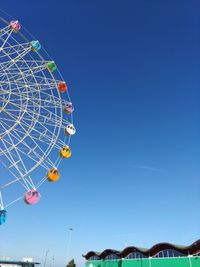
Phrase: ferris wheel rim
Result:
[50,148]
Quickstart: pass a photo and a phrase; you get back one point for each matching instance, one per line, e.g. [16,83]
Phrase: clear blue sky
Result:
[133,73]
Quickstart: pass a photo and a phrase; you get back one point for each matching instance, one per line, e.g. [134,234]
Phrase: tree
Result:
[71,263]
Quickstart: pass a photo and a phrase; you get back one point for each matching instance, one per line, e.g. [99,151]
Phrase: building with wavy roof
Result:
[159,255]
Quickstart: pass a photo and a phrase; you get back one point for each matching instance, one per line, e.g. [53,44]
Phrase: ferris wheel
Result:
[36,122]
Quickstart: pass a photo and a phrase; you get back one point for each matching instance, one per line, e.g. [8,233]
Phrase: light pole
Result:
[53,261]
[45,259]
[69,242]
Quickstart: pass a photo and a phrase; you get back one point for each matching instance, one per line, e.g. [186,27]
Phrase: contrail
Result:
[148,168]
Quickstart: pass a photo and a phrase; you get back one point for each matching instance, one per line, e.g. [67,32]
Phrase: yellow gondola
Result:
[65,152]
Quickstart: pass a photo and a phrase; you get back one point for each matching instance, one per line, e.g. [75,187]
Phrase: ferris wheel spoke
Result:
[24,65]
[26,122]
[40,135]
[21,67]
[47,119]
[30,70]
[5,31]
[8,66]
[47,101]
[13,163]
[44,133]
[31,80]
[11,50]
[32,154]
[49,116]
[1,201]
[31,87]
[45,140]
[16,165]
[13,67]
[18,179]
[38,157]
[14,201]
[19,49]
[15,119]
[9,34]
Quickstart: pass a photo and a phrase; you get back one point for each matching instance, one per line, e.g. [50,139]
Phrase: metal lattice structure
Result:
[32,117]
